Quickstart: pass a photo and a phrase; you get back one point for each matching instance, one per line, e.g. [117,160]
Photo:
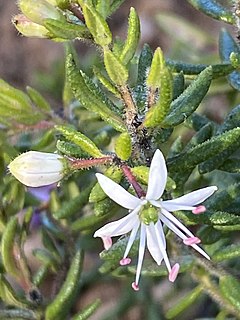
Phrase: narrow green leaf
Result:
[18,314]
[63,30]
[133,36]
[154,76]
[204,151]
[96,24]
[60,306]
[227,253]
[230,165]
[8,296]
[103,206]
[72,206]
[88,222]
[104,81]
[97,194]
[81,140]
[189,100]
[178,85]
[38,100]
[87,98]
[208,235]
[158,112]
[115,5]
[218,70]
[227,45]
[88,310]
[213,9]
[103,7]
[231,121]
[230,289]
[116,70]
[184,303]
[141,90]
[70,149]
[202,135]
[123,146]
[7,247]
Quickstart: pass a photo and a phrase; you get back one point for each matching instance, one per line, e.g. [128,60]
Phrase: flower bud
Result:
[28,28]
[36,169]
[38,10]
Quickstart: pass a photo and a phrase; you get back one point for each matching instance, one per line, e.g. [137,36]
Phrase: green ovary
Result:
[148,214]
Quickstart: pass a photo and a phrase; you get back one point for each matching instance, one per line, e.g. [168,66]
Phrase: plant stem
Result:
[132,180]
[76,164]
[131,110]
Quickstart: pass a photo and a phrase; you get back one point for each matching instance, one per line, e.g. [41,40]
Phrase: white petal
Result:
[119,227]
[117,193]
[178,232]
[173,219]
[152,243]
[131,239]
[141,252]
[189,200]
[162,245]
[157,176]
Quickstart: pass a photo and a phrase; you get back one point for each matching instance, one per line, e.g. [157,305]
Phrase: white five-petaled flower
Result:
[148,214]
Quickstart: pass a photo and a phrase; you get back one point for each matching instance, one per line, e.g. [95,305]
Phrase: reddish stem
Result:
[88,163]
[131,179]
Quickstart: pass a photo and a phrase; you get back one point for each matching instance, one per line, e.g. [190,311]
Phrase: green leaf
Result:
[103,7]
[7,247]
[133,36]
[202,135]
[72,206]
[88,310]
[81,140]
[227,253]
[184,303]
[60,306]
[230,165]
[213,9]
[123,146]
[63,30]
[204,151]
[115,5]
[104,81]
[230,290]
[154,76]
[231,121]
[218,70]
[17,314]
[141,90]
[178,85]
[117,72]
[38,100]
[70,149]
[189,100]
[227,45]
[96,24]
[158,112]
[88,222]
[8,296]
[97,193]
[87,98]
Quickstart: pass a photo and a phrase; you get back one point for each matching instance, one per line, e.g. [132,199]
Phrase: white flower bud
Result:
[36,169]
[38,10]
[28,28]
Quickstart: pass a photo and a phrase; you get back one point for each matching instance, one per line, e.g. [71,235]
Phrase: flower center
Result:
[148,213]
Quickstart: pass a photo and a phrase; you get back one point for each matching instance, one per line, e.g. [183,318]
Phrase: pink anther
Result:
[174,272]
[125,261]
[199,209]
[191,241]
[135,286]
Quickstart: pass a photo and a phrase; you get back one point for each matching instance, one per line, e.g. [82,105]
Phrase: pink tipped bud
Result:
[125,261]
[135,286]
[199,209]
[107,242]
[191,241]
[174,272]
